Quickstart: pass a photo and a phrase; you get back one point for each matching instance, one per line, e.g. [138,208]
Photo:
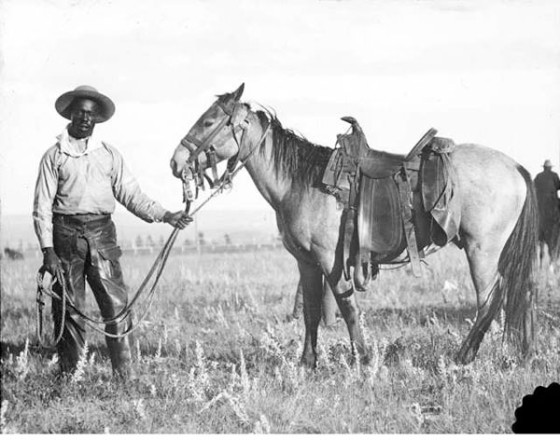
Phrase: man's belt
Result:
[81,220]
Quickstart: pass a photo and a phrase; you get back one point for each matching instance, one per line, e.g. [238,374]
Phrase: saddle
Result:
[391,203]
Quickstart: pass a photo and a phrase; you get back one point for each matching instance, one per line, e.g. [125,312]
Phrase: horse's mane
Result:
[294,155]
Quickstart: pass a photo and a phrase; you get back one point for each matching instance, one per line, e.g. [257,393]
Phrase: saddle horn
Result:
[349,119]
[356,128]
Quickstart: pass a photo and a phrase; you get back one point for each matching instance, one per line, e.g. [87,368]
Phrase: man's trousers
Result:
[87,247]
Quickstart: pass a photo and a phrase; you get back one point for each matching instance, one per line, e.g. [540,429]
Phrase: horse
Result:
[497,228]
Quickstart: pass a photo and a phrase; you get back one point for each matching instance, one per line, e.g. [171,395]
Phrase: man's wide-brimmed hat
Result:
[106,106]
[547,163]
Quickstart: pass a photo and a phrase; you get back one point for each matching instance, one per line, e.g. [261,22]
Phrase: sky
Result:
[482,72]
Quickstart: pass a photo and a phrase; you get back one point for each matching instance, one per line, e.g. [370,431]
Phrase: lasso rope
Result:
[40,304]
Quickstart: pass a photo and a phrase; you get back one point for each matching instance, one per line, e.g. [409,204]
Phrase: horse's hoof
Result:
[465,357]
[366,360]
[309,362]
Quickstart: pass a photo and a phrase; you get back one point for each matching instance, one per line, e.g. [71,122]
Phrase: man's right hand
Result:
[180,219]
[51,262]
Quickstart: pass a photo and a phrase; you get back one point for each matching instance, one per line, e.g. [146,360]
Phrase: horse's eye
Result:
[208,123]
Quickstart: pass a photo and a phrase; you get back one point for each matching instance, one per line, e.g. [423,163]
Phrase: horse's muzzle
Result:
[177,172]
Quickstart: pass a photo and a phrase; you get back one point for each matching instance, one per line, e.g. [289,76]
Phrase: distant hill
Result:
[242,226]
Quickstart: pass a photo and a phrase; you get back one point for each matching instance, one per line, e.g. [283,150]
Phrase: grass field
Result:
[219,353]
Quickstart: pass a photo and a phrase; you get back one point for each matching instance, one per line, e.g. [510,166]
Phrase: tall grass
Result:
[219,353]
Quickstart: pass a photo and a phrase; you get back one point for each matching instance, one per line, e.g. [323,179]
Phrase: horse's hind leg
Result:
[483,264]
[312,286]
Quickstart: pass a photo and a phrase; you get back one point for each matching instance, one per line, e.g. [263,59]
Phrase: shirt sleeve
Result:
[127,191]
[45,192]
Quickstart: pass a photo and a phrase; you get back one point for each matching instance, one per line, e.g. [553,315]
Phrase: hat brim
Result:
[106,106]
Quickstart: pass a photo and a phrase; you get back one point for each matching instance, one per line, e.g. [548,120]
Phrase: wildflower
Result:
[3,412]
[235,404]
[139,408]
[237,407]
[324,356]
[278,375]
[178,347]
[233,377]
[157,355]
[441,369]
[244,376]
[138,351]
[22,361]
[80,366]
[417,414]
[201,364]
[165,334]
[374,363]
[53,361]
[262,426]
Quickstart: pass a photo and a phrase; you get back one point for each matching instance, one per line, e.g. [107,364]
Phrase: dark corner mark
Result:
[539,412]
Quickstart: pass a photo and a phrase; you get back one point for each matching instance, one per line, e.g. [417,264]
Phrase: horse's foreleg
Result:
[312,286]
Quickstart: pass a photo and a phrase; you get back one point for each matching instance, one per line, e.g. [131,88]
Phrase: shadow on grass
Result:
[451,315]
[7,348]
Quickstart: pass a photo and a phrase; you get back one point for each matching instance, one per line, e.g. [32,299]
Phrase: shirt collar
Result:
[77,147]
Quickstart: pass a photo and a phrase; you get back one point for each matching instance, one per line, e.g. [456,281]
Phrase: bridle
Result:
[233,118]
[194,174]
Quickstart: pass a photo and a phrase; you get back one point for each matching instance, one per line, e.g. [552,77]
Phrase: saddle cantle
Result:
[390,201]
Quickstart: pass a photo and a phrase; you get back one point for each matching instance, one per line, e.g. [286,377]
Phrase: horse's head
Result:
[213,138]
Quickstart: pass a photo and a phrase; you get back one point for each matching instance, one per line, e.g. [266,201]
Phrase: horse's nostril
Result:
[174,168]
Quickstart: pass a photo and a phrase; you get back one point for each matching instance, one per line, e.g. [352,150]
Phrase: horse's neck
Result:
[260,166]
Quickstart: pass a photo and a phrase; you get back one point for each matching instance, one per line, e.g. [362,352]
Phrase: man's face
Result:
[82,117]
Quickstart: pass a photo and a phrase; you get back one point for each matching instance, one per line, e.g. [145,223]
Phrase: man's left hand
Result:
[180,219]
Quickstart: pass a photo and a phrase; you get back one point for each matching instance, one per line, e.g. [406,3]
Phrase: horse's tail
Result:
[517,266]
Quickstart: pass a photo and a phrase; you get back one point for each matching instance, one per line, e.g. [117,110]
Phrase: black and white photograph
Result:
[279,217]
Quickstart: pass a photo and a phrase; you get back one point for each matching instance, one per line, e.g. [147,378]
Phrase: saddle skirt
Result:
[391,201]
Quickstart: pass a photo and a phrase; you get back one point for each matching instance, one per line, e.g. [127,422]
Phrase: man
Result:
[79,179]
[547,185]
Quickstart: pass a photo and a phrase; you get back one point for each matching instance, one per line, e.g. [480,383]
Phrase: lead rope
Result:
[161,260]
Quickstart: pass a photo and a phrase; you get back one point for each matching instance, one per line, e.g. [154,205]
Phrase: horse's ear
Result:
[237,94]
